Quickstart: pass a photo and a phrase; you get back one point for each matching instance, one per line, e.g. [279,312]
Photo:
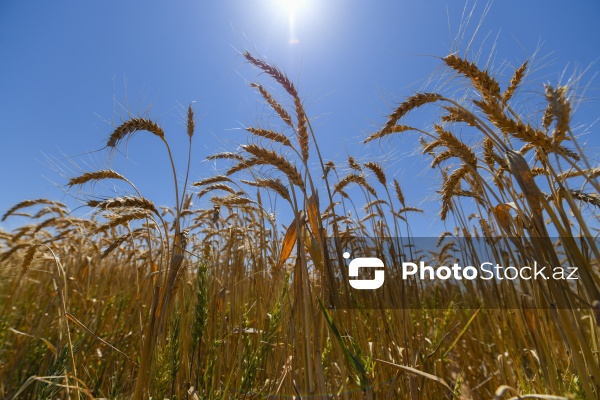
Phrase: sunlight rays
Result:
[291,7]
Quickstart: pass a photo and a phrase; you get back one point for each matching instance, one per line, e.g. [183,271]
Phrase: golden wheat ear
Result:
[265,156]
[274,72]
[30,203]
[514,82]
[378,171]
[124,202]
[216,186]
[414,101]
[212,179]
[95,176]
[132,126]
[482,81]
[272,184]
[279,109]
[271,135]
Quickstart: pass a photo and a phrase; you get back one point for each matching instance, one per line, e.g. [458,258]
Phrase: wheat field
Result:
[226,302]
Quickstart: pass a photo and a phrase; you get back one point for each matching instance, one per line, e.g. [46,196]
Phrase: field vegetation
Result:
[225,301]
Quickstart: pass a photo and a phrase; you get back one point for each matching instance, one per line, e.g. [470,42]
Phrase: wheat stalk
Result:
[243,164]
[414,101]
[302,130]
[560,109]
[460,114]
[216,186]
[29,203]
[132,126]
[273,184]
[455,148]
[449,187]
[231,200]
[212,179]
[354,178]
[483,82]
[274,72]
[191,125]
[514,82]
[271,135]
[124,202]
[114,244]
[226,155]
[265,156]
[122,219]
[588,173]
[399,193]
[590,198]
[283,114]
[392,129]
[95,176]
[378,171]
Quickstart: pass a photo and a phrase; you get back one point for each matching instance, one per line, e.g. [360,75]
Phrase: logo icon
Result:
[366,262]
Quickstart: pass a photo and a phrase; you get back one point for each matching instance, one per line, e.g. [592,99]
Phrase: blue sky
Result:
[69,69]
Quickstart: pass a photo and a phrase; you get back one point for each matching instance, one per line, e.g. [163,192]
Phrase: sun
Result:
[291,6]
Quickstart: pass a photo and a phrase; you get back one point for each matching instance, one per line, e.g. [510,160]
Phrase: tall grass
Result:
[228,302]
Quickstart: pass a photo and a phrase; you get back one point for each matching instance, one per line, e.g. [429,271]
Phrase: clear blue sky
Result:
[63,65]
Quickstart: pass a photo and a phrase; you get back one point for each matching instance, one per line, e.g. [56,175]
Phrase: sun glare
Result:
[291,8]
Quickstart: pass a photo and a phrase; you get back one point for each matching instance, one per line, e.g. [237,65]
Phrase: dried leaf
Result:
[288,244]
[312,206]
[502,214]
[520,169]
[313,248]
